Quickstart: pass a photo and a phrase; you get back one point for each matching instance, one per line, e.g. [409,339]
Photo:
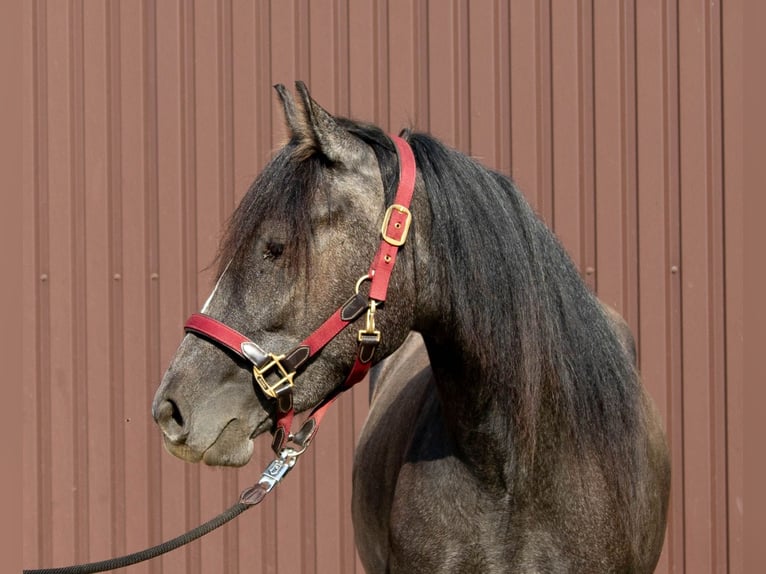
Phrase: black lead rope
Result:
[249,497]
[149,553]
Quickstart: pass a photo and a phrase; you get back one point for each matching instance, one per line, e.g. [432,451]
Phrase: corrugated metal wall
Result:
[144,123]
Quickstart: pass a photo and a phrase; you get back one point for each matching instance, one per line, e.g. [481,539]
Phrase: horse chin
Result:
[229,455]
[232,447]
[182,451]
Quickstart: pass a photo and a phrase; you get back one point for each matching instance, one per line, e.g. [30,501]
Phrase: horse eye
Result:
[273,250]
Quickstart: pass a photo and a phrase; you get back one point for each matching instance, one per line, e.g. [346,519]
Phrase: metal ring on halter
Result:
[361,280]
[290,452]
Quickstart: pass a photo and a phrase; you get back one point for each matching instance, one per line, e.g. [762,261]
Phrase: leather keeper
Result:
[253,495]
[367,346]
[305,433]
[285,401]
[278,440]
[296,358]
[354,307]
[254,353]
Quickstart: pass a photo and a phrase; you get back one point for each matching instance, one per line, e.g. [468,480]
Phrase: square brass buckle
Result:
[285,378]
[387,219]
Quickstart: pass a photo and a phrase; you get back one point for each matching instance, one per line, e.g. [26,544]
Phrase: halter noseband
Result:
[275,374]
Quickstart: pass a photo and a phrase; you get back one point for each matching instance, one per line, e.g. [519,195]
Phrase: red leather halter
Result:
[275,373]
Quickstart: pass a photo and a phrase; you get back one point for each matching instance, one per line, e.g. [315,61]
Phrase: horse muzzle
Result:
[233,446]
[218,430]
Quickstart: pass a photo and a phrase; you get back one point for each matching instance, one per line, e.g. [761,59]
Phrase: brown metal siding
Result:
[144,124]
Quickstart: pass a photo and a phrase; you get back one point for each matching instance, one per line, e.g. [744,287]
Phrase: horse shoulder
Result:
[409,484]
[401,384]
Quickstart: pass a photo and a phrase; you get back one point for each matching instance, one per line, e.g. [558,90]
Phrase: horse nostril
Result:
[170,420]
[176,413]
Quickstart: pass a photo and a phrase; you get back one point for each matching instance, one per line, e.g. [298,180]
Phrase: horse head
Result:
[301,240]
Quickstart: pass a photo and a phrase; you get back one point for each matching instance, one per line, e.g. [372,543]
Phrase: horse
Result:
[508,430]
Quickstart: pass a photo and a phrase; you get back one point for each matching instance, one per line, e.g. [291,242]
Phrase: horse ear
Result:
[297,125]
[333,141]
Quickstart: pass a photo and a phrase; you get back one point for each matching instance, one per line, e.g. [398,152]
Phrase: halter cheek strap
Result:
[275,373]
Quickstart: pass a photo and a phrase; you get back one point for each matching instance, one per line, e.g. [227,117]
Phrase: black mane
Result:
[555,359]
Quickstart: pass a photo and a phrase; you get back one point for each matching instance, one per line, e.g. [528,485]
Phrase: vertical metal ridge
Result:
[308,502]
[525,99]
[629,164]
[225,110]
[462,81]
[676,527]
[656,279]
[346,447]
[544,113]
[31,287]
[697,324]
[263,78]
[422,85]
[345,528]
[347,469]
[566,123]
[361,398]
[302,41]
[587,160]
[342,84]
[42,265]
[716,278]
[609,149]
[381,64]
[483,82]
[116,309]
[502,109]
[509,127]
[79,281]
[230,534]
[152,323]
[188,155]
[732,119]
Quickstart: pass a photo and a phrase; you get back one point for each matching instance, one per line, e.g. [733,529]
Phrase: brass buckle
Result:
[285,379]
[386,220]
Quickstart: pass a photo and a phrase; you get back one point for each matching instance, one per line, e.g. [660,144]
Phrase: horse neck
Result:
[469,411]
[479,430]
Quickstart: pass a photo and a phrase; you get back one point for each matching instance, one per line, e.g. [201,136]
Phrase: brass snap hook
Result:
[369,332]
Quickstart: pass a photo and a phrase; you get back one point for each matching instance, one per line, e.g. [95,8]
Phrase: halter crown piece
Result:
[275,374]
